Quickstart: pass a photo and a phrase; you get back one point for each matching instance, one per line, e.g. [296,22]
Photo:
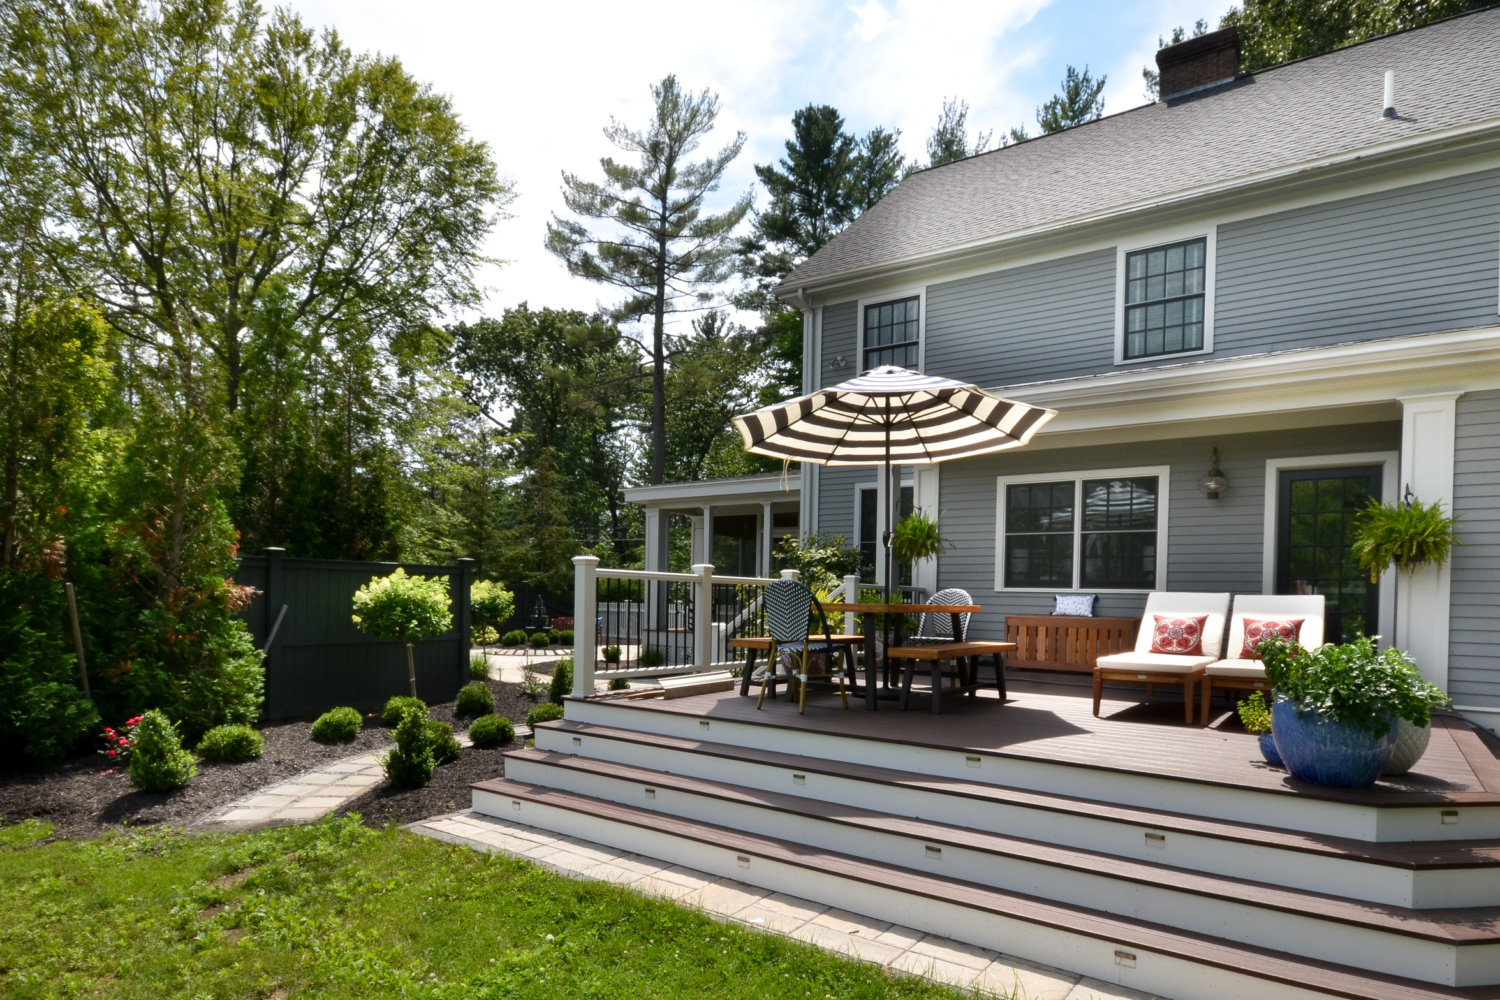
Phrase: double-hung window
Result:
[1165,288]
[1100,531]
[893,333]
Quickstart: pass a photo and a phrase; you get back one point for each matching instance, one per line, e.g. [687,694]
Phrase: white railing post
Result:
[703,613]
[851,596]
[585,623]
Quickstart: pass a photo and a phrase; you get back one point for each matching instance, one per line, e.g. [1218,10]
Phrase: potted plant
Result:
[917,538]
[1407,535]
[1335,719]
[1256,718]
[409,608]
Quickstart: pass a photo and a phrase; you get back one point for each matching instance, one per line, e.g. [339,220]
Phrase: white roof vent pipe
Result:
[1390,94]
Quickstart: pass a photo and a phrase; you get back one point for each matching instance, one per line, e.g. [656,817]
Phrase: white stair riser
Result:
[1239,805]
[1163,974]
[1295,933]
[1294,869]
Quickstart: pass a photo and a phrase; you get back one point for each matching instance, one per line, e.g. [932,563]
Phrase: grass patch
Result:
[338,910]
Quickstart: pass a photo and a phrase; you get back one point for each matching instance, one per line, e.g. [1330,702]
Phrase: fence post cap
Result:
[700,567]
[465,559]
[790,574]
[273,548]
[577,560]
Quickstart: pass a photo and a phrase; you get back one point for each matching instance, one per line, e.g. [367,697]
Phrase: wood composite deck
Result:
[1054,722]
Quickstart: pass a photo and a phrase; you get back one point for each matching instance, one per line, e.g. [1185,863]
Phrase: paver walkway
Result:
[306,798]
[890,945]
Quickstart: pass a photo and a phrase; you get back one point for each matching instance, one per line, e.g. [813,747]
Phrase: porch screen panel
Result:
[1039,534]
[1119,533]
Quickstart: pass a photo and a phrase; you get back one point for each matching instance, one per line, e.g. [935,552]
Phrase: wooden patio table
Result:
[900,611]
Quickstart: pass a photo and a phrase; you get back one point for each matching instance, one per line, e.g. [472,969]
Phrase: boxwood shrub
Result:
[515,637]
[491,731]
[398,706]
[542,638]
[337,725]
[232,743]
[157,761]
[410,764]
[545,712]
[445,746]
[474,698]
[563,637]
[562,681]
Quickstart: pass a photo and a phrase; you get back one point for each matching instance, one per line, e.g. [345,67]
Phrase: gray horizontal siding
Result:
[1474,644]
[1413,260]
[840,337]
[1213,545]
[836,499]
[1049,320]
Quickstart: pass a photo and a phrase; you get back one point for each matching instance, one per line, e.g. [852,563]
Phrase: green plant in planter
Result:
[1407,535]
[916,538]
[1354,683]
[409,608]
[1254,714]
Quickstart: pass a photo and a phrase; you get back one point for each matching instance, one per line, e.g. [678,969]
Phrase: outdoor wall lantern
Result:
[1214,483]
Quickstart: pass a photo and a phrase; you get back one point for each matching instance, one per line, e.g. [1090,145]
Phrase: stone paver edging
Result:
[305,798]
[889,945]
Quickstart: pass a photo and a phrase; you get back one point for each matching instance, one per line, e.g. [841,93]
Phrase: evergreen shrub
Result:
[563,637]
[491,731]
[479,668]
[545,712]
[337,725]
[232,743]
[542,638]
[515,637]
[445,746]
[611,654]
[157,761]
[562,681]
[410,763]
[474,698]
[398,706]
[619,683]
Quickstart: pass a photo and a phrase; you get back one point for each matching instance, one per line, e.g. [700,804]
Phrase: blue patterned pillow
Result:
[1075,605]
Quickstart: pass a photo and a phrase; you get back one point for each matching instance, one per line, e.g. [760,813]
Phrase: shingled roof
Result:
[1447,75]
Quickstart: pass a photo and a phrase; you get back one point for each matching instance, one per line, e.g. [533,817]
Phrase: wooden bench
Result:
[965,654]
[1058,642]
[758,644]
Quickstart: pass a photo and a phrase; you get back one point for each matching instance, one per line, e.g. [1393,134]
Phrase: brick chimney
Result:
[1198,62]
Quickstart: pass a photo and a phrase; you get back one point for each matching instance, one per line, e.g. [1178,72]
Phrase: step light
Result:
[799,779]
[578,741]
[1156,840]
[650,793]
[742,861]
[515,804]
[971,761]
[934,853]
[702,723]
[1125,958]
[1450,816]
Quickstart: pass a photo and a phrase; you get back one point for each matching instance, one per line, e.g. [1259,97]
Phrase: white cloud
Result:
[873,20]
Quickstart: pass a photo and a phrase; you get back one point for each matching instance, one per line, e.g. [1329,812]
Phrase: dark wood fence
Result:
[319,660]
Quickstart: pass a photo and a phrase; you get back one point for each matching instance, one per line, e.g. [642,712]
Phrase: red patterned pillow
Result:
[1289,629]
[1179,635]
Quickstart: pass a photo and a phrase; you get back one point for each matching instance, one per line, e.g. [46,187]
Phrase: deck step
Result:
[1148,956]
[1441,874]
[1424,944]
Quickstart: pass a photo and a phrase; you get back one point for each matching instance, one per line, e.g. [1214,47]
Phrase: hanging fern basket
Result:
[1407,535]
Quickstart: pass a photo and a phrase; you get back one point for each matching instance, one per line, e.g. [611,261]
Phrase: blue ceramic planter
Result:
[1332,754]
[1268,749]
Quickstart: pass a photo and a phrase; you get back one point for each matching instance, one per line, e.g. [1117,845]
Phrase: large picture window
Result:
[1087,531]
[1164,299]
[893,333]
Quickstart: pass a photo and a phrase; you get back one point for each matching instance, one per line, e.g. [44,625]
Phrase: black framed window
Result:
[892,333]
[1039,534]
[1110,544]
[1164,299]
[868,531]
[1119,534]
[1316,533]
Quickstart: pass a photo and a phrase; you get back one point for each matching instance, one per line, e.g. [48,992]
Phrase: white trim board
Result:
[1389,461]
[1163,524]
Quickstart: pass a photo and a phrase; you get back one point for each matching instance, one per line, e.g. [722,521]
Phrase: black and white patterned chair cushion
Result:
[939,627]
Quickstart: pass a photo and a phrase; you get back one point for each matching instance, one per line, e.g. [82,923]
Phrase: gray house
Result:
[1280,278]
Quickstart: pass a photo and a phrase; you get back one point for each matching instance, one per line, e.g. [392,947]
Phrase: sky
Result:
[539,81]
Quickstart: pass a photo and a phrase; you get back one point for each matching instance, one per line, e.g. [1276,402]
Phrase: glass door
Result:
[1316,515]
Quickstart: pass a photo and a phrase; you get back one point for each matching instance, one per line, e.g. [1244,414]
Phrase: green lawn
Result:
[338,910]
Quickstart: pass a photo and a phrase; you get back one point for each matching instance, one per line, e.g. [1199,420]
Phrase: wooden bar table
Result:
[899,611]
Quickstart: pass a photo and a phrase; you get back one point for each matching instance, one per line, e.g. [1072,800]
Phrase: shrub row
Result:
[518,637]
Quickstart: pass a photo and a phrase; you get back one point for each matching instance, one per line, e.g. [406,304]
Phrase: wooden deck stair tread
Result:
[1249,960]
[1415,855]
[1471,925]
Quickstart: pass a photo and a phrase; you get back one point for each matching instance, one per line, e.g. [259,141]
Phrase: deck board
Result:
[1054,722]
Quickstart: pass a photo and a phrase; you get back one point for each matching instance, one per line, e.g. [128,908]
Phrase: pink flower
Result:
[111,753]
[131,722]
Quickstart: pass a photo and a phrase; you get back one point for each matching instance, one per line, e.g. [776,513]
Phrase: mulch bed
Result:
[83,796]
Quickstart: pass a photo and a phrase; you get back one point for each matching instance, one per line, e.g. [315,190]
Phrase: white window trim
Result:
[1390,477]
[917,291]
[1163,503]
[1208,232]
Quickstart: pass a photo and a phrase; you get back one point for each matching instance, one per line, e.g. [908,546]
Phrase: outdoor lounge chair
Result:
[1236,673]
[789,607]
[1172,669]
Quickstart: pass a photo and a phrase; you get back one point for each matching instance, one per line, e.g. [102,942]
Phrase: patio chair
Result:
[1246,673]
[936,629]
[1147,665]
[789,608]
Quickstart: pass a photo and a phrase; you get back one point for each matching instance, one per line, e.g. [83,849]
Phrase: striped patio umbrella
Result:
[888,416]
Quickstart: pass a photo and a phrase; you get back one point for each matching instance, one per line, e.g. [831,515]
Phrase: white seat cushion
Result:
[1157,663]
[1238,668]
